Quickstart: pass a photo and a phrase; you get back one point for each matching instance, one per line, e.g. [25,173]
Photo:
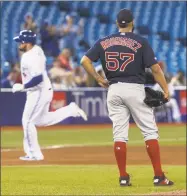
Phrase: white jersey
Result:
[33,63]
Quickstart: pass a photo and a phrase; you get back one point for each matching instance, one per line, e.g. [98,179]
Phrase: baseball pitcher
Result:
[39,91]
[124,57]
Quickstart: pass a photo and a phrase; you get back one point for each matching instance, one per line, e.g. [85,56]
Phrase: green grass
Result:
[87,179]
[169,135]
[84,180]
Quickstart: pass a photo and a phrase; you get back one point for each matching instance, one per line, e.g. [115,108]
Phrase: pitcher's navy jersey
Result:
[124,57]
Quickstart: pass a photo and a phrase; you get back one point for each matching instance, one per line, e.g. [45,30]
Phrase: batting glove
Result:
[17,87]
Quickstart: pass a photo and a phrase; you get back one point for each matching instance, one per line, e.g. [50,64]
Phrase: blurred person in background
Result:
[6,67]
[57,83]
[29,23]
[49,40]
[65,59]
[60,77]
[80,77]
[70,33]
[163,66]
[179,79]
[176,115]
[13,77]
[149,76]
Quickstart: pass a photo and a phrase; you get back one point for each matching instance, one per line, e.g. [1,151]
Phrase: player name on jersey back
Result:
[121,41]
[124,57]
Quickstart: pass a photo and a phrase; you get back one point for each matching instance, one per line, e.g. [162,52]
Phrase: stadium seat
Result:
[143,30]
[83,12]
[163,23]
[64,6]
[164,35]
[103,18]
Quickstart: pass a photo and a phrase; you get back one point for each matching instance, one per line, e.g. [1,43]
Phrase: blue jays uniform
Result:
[39,95]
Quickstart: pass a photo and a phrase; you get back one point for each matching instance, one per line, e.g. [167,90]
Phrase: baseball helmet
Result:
[26,36]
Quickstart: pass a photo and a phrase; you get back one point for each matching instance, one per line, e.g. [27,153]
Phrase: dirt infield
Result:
[97,155]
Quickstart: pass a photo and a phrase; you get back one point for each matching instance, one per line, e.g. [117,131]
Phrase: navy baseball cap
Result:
[26,36]
[124,17]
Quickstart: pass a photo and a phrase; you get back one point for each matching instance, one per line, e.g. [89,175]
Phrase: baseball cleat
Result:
[28,158]
[162,181]
[80,111]
[125,181]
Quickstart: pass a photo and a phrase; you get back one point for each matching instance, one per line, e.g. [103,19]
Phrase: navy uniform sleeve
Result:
[94,52]
[149,58]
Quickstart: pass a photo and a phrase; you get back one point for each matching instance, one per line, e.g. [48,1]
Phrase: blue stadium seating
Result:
[168,18]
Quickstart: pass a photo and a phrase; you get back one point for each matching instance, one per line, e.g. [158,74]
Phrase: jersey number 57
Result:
[112,62]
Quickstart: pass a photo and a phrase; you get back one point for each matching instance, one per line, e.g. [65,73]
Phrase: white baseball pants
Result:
[36,113]
[125,99]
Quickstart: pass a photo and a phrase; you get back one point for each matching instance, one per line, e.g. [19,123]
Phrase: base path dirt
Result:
[97,155]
